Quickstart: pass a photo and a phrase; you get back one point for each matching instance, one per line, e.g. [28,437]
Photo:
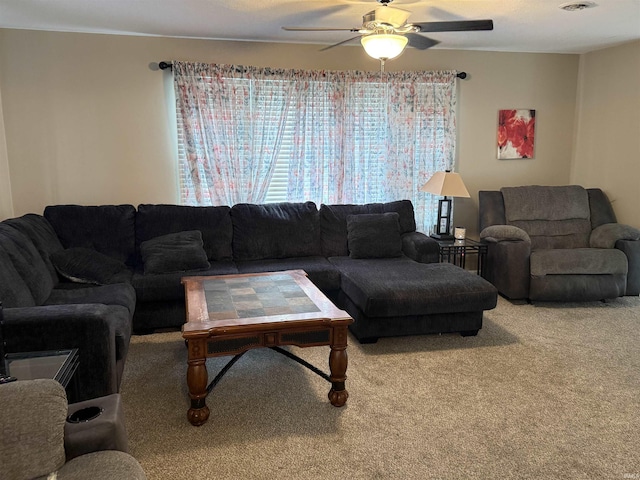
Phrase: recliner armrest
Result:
[421,248]
[606,235]
[105,432]
[631,248]
[32,418]
[87,327]
[508,252]
[502,233]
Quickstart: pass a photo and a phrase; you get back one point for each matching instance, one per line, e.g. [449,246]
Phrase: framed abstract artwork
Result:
[516,133]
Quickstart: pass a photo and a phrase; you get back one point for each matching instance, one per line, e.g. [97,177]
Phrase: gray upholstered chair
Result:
[557,243]
[32,445]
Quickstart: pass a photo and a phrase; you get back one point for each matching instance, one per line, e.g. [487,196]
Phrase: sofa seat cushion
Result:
[166,286]
[320,271]
[388,287]
[578,261]
[121,294]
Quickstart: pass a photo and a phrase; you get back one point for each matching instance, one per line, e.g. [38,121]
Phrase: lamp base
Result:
[442,236]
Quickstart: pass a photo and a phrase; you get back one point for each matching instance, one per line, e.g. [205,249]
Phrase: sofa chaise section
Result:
[401,291]
[397,296]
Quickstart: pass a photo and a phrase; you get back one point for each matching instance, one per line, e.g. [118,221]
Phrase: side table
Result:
[57,364]
[456,251]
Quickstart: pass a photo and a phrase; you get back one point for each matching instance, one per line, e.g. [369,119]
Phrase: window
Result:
[256,135]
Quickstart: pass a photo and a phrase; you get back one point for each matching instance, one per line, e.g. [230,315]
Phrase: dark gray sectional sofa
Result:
[41,312]
[101,270]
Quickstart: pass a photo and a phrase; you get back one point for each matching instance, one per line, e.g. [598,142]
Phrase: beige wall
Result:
[607,152]
[6,201]
[88,120]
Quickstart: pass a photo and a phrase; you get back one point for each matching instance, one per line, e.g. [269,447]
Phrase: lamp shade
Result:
[384,46]
[447,184]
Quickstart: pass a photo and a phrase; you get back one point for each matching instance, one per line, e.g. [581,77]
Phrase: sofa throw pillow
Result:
[374,235]
[175,252]
[84,265]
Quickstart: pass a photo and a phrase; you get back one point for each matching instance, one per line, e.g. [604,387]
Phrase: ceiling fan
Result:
[385,32]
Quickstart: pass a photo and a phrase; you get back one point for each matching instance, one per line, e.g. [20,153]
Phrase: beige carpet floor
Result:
[546,391]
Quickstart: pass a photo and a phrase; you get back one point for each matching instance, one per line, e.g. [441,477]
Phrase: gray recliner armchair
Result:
[557,243]
[32,445]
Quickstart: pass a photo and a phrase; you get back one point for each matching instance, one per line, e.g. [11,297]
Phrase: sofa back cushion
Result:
[213,222]
[406,215]
[14,292]
[275,230]
[27,262]
[600,207]
[174,252]
[554,217]
[333,222]
[43,236]
[86,265]
[109,229]
[490,209]
[374,235]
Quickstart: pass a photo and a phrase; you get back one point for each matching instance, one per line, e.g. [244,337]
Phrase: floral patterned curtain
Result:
[361,137]
[231,120]
[356,136]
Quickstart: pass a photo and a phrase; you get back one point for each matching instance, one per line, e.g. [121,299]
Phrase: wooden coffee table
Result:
[231,314]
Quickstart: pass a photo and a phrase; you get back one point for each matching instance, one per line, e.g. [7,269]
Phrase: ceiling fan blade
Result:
[319,29]
[339,43]
[420,42]
[455,26]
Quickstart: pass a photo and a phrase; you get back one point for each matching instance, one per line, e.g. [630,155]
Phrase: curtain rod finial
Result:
[165,65]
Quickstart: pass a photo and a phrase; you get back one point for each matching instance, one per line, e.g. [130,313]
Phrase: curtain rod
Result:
[169,65]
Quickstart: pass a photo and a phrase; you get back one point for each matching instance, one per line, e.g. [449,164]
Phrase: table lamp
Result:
[447,184]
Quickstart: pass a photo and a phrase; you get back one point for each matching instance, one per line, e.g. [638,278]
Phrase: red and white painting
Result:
[516,133]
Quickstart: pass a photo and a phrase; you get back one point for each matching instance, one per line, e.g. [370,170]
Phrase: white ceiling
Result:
[519,25]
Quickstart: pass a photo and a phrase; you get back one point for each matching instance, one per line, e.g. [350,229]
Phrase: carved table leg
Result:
[197,378]
[338,364]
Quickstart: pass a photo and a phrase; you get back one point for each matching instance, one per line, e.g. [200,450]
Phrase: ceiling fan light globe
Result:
[384,46]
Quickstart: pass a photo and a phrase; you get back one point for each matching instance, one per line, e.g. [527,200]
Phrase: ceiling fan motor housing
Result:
[385,16]
[389,24]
